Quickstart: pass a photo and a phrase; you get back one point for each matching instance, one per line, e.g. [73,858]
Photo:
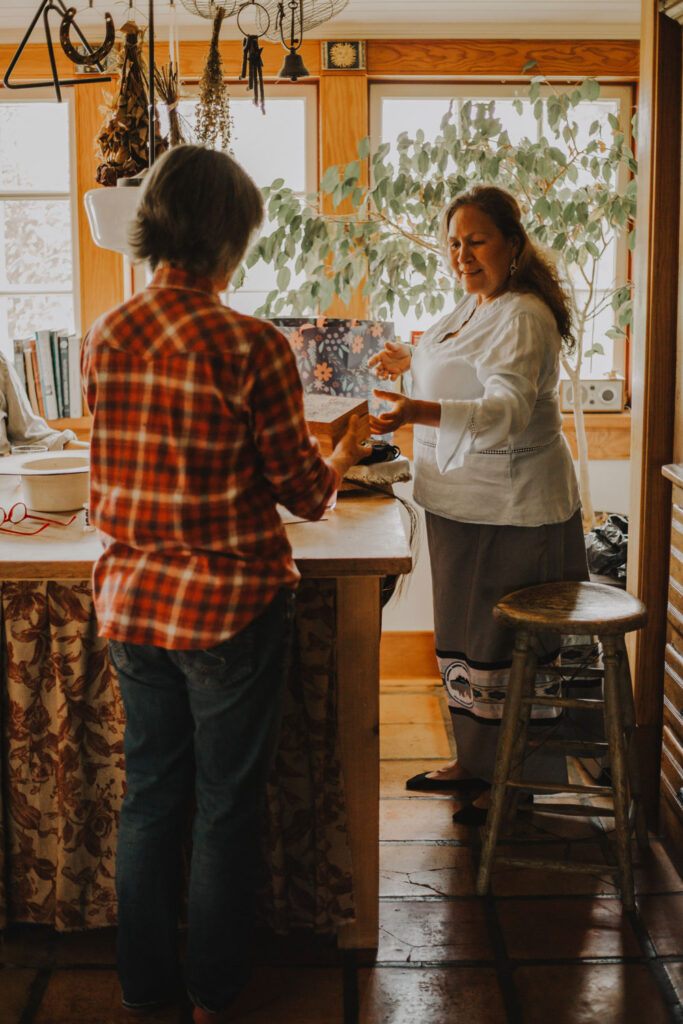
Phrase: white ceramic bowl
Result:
[55,484]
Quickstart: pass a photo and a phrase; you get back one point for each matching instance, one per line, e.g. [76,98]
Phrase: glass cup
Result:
[28,449]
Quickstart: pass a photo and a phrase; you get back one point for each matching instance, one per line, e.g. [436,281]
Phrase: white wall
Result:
[412,609]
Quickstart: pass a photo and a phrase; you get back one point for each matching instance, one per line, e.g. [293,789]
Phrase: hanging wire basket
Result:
[315,12]
[210,8]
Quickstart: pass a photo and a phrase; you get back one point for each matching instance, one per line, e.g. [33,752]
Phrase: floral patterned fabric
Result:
[332,354]
[61,729]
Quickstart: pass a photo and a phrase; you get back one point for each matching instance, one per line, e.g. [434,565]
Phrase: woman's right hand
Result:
[393,360]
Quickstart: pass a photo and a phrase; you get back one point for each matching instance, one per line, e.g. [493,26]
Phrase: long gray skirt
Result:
[473,567]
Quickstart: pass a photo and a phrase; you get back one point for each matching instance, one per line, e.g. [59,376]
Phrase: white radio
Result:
[606,395]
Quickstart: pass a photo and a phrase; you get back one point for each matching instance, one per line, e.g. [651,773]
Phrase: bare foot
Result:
[452,770]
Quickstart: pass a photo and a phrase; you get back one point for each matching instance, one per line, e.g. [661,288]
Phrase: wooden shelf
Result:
[79,424]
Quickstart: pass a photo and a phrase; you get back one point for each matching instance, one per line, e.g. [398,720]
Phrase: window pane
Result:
[35,242]
[409,113]
[267,148]
[34,147]
[22,315]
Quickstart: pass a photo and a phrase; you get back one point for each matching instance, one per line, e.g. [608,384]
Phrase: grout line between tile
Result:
[504,968]
[35,995]
[656,967]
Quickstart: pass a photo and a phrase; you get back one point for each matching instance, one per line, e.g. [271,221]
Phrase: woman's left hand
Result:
[398,416]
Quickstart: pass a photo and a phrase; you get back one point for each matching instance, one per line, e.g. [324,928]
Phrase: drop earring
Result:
[513,266]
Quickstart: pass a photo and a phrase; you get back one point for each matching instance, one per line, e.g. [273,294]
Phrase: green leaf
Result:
[418,261]
[614,122]
[542,207]
[558,156]
[529,65]
[589,89]
[283,278]
[352,171]
[364,148]
[330,179]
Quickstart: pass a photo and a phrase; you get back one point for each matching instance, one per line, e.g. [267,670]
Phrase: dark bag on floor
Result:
[607,548]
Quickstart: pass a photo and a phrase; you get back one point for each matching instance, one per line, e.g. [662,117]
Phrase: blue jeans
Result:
[200,725]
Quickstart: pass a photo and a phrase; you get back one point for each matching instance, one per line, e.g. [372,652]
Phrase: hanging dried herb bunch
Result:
[214,121]
[123,139]
[168,88]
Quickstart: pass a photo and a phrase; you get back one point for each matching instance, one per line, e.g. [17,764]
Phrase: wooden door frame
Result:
[656,277]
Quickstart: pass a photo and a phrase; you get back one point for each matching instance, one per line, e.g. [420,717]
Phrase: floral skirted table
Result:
[61,729]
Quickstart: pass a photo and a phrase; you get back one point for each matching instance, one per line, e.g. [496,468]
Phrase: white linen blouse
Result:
[498,456]
[18,422]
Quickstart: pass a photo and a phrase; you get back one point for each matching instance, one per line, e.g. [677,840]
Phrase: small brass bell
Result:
[294,67]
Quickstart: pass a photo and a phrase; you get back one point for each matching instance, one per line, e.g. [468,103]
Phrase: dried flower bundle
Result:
[123,140]
[214,121]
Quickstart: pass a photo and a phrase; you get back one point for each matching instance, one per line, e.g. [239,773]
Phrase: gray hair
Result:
[198,211]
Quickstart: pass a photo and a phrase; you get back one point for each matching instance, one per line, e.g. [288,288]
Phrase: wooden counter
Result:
[355,544]
[362,536]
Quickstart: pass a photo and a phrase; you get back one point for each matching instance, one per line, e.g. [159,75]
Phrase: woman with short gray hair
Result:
[198,432]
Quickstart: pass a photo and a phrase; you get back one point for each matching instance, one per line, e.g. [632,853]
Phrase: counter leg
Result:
[358,632]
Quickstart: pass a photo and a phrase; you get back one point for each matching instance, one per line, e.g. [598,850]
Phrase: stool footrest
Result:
[554,865]
[560,787]
[587,703]
[587,748]
[573,810]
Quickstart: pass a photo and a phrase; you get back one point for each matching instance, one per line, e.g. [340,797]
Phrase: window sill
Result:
[608,433]
[80,425]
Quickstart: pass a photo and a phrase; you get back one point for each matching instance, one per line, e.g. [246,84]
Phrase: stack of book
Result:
[49,368]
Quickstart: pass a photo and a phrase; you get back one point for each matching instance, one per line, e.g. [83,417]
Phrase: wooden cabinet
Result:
[671,773]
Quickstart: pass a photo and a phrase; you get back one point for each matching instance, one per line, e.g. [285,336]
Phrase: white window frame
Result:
[479,91]
[40,95]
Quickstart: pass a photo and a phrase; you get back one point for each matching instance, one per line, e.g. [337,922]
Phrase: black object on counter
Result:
[382,451]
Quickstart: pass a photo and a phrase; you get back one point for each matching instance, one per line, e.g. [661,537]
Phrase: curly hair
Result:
[535,272]
[198,211]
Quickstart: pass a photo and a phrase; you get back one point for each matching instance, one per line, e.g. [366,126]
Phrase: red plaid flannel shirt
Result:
[198,431]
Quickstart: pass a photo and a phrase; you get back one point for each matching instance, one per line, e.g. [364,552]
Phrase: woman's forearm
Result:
[428,414]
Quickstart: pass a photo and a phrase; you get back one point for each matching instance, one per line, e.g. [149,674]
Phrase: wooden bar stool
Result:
[570,609]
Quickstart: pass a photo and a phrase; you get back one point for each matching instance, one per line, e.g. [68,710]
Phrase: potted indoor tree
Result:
[577,192]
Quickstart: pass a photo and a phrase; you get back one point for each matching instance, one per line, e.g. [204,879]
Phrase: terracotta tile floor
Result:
[545,947]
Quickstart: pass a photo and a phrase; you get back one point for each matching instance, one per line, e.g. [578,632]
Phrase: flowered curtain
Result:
[61,728]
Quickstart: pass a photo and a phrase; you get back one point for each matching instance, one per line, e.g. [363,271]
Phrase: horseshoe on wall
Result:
[86,58]
[45,8]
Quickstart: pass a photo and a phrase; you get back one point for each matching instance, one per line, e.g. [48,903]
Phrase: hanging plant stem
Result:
[214,121]
[168,87]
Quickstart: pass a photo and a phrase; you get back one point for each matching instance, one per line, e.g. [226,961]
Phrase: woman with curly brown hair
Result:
[492,471]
